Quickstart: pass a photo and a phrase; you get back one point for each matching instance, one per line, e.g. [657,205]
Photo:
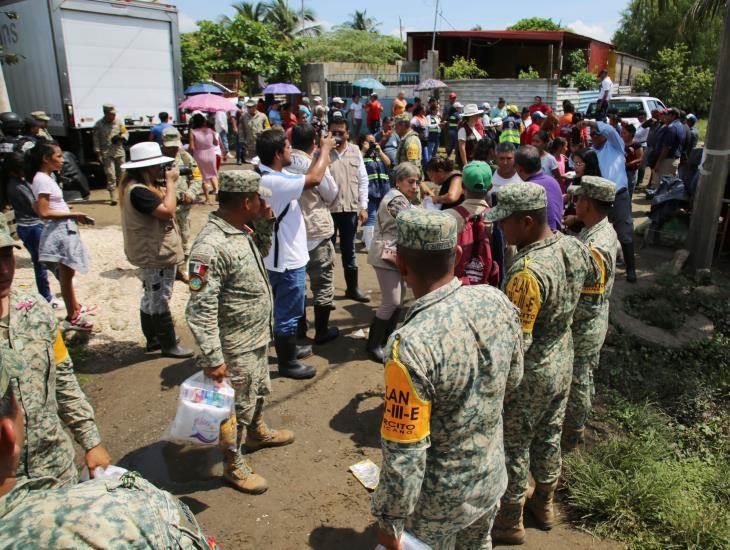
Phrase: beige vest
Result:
[317,218]
[148,241]
[385,232]
[345,171]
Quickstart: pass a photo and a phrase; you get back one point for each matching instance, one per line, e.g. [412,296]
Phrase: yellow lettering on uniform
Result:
[524,292]
[413,150]
[406,417]
[600,286]
[196,174]
[60,353]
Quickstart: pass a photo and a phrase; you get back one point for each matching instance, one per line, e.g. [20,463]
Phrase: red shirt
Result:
[526,137]
[542,108]
[288,122]
[374,109]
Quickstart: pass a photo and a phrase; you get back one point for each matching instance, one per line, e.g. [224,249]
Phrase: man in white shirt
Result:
[506,173]
[351,204]
[221,128]
[320,228]
[356,112]
[288,255]
[604,95]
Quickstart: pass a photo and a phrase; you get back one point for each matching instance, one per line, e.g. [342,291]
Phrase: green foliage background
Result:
[463,69]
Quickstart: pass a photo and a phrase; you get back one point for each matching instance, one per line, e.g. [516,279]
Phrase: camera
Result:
[338,140]
[184,170]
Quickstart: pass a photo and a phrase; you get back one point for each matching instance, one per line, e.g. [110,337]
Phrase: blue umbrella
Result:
[281,88]
[369,83]
[203,88]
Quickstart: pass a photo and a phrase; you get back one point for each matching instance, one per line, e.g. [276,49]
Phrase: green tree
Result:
[529,74]
[463,69]
[361,22]
[255,11]
[675,80]
[291,24]
[536,24]
[239,45]
[351,46]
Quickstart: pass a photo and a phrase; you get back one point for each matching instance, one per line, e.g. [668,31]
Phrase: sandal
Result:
[78,322]
[87,310]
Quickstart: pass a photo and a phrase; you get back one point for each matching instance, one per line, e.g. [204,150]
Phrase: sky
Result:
[594,19]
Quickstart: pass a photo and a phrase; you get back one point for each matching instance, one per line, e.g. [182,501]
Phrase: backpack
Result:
[476,266]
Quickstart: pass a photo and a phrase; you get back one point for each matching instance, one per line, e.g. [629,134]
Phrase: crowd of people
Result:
[509,249]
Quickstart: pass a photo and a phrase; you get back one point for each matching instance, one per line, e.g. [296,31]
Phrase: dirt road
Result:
[313,500]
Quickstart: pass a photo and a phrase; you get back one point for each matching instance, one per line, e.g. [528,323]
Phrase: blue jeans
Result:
[31,237]
[453,141]
[346,227]
[224,140]
[373,205]
[433,144]
[289,289]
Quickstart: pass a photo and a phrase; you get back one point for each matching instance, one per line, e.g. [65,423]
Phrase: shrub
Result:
[529,74]
[463,69]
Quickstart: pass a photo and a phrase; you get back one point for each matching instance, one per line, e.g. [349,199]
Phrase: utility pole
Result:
[435,19]
[400,26]
[714,169]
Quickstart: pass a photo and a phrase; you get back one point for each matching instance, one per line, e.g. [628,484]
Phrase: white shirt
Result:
[43,184]
[498,182]
[292,235]
[221,121]
[461,134]
[548,163]
[356,109]
[362,178]
[606,86]
[642,134]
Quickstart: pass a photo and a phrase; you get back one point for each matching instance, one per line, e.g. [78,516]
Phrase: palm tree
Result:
[697,13]
[361,22]
[250,10]
[289,23]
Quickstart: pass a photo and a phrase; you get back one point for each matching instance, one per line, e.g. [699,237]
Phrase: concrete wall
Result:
[513,90]
[316,75]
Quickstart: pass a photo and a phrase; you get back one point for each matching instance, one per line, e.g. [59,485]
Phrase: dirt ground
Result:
[313,501]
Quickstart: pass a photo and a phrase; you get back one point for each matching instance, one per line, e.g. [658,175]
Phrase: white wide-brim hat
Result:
[147,153]
[471,110]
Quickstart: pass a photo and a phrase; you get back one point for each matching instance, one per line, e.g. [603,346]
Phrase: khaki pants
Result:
[321,271]
[667,167]
[112,170]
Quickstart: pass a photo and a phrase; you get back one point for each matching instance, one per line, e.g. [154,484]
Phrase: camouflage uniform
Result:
[47,391]
[250,128]
[409,150]
[189,187]
[108,140]
[230,311]
[457,354]
[545,283]
[125,513]
[590,321]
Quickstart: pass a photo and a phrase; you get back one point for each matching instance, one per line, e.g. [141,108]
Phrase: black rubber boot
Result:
[323,332]
[289,366]
[149,331]
[630,261]
[302,326]
[168,340]
[374,347]
[353,292]
[304,351]
[392,325]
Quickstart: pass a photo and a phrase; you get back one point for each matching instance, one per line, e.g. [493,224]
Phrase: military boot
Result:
[540,505]
[353,292]
[572,439]
[259,435]
[323,332]
[240,475]
[376,336]
[508,528]
[630,260]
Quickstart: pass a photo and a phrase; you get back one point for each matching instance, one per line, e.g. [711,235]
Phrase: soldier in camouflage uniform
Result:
[230,313]
[125,513]
[409,148]
[544,282]
[253,123]
[109,135]
[451,365]
[188,188]
[31,342]
[42,118]
[590,321]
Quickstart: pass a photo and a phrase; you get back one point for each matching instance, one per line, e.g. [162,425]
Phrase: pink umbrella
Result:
[208,103]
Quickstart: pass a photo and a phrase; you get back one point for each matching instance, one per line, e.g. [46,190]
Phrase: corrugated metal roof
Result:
[536,36]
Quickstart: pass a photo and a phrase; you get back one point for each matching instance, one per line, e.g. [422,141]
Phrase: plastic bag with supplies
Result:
[205,414]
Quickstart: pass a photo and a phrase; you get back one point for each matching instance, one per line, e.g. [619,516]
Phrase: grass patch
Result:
[701,126]
[663,482]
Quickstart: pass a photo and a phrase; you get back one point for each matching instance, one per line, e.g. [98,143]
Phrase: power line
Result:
[441,15]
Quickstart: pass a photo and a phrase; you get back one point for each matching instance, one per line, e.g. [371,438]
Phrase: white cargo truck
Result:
[76,55]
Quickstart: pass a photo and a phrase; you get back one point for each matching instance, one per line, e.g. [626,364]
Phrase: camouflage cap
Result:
[5,238]
[171,137]
[242,181]
[517,197]
[403,117]
[594,187]
[251,103]
[109,108]
[40,115]
[421,229]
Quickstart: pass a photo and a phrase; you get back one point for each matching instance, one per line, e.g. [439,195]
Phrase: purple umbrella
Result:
[281,88]
[430,84]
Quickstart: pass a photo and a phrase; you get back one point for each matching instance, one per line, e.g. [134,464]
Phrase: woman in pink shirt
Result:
[203,143]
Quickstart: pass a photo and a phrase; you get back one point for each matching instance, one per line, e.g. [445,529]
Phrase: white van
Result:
[628,108]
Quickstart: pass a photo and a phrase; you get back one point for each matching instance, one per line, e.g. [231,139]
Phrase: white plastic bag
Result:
[409,542]
[111,472]
[202,407]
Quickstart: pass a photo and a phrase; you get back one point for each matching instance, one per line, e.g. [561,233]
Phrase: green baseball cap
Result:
[594,187]
[5,238]
[477,176]
[421,229]
[517,197]
[242,181]
[403,117]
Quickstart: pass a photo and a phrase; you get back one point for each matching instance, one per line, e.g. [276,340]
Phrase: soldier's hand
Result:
[216,373]
[172,175]
[97,457]
[389,541]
